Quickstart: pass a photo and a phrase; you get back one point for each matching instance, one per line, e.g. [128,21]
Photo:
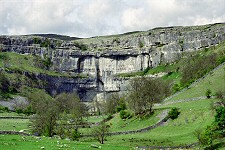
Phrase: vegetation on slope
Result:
[17,71]
[194,115]
[13,62]
[63,115]
[185,71]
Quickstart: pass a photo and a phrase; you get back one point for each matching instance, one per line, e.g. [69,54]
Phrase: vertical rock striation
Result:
[111,55]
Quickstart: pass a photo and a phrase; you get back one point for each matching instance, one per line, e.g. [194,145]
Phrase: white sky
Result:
[86,18]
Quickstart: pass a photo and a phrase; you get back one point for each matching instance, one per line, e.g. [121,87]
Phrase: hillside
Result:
[37,70]
[101,64]
[195,115]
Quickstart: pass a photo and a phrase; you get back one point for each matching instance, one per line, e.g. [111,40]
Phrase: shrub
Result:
[109,117]
[141,44]
[82,46]
[173,113]
[19,111]
[122,106]
[4,109]
[37,40]
[124,114]
[46,43]
[221,59]
[47,62]
[28,111]
[220,118]
[75,135]
[176,87]
[146,70]
[208,93]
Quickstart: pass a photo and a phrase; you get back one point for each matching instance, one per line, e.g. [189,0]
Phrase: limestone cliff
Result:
[102,58]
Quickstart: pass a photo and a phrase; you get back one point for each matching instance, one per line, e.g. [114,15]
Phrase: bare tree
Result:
[101,132]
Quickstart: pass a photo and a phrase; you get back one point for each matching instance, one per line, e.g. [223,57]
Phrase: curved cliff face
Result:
[108,56]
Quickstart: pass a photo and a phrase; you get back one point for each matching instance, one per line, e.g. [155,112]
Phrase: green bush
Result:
[45,43]
[208,93]
[121,106]
[221,59]
[28,111]
[146,70]
[4,109]
[82,46]
[37,40]
[176,87]
[220,119]
[141,44]
[47,62]
[75,135]
[19,111]
[173,113]
[109,117]
[124,114]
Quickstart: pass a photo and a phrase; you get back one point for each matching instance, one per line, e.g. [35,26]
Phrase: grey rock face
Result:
[108,56]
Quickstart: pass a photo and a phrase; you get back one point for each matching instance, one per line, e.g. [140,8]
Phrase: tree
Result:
[44,122]
[144,92]
[61,115]
[114,103]
[72,111]
[101,132]
[71,104]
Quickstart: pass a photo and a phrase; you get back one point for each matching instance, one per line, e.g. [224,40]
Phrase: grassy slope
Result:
[135,123]
[21,62]
[194,115]
[25,63]
[214,82]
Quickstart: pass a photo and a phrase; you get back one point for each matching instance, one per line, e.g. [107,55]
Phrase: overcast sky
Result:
[86,18]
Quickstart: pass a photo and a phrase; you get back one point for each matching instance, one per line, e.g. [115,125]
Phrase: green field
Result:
[14,124]
[16,142]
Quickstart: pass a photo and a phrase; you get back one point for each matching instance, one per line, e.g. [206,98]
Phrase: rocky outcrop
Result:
[104,58]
